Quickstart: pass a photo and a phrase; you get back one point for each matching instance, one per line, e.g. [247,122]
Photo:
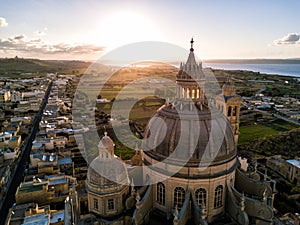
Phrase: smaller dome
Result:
[107,172]
[106,143]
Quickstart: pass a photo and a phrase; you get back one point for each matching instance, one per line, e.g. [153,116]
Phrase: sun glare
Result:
[125,27]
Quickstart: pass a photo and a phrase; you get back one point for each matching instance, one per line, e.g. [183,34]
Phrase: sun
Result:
[124,27]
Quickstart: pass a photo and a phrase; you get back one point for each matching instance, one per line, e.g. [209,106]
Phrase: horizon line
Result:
[203,60]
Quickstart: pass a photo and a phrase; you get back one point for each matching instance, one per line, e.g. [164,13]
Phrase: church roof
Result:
[190,131]
[177,131]
[109,171]
[105,169]
[106,142]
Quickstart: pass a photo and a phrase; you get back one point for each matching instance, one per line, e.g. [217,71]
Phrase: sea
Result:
[278,69]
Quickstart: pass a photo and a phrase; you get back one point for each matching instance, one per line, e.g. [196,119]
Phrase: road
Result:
[278,116]
[261,90]
[9,199]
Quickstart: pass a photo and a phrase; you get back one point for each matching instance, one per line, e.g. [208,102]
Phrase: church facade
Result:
[193,173]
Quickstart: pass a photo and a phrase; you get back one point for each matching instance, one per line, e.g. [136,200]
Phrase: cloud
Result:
[19,37]
[38,46]
[40,33]
[3,22]
[290,39]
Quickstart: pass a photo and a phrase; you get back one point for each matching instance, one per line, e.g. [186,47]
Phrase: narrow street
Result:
[9,199]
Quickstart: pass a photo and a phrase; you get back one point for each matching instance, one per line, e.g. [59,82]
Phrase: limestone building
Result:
[290,169]
[191,171]
[229,103]
[106,198]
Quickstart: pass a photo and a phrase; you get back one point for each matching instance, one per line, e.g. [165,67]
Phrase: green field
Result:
[254,132]
[142,109]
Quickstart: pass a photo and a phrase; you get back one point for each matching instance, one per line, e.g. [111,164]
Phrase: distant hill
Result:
[254,61]
[15,66]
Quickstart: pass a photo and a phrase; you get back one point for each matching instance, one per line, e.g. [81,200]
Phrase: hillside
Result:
[17,66]
[285,144]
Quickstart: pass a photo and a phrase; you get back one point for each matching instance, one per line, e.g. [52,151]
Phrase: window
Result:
[111,204]
[179,194]
[229,111]
[218,201]
[96,207]
[124,198]
[161,193]
[234,111]
[188,93]
[201,196]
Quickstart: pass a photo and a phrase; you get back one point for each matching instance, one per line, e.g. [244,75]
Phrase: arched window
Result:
[218,201]
[193,94]
[188,93]
[161,193]
[234,111]
[229,111]
[179,194]
[201,196]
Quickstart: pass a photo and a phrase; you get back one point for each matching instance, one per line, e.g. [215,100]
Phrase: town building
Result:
[51,189]
[8,140]
[289,169]
[32,213]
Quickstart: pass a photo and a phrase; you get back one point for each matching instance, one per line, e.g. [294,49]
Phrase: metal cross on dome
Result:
[192,42]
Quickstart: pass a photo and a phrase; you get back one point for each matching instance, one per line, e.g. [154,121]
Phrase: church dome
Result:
[106,142]
[107,170]
[194,133]
[188,132]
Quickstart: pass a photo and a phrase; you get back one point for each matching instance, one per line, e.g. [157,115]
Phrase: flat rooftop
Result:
[65,160]
[58,181]
[294,162]
[31,187]
[37,219]
[57,216]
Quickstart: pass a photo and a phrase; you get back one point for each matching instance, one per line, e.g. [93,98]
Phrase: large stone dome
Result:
[189,134]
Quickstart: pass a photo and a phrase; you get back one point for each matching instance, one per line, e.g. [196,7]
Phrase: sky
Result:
[86,30]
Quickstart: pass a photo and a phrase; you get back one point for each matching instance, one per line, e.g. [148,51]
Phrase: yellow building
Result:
[7,140]
[52,189]
[31,213]
[4,95]
[229,103]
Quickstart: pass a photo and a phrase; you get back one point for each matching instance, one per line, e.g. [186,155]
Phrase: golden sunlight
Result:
[125,27]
